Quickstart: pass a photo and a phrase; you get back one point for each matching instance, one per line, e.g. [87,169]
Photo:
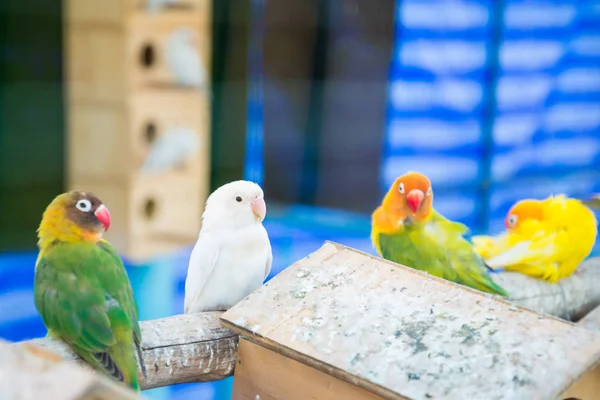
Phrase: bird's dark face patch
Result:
[81,207]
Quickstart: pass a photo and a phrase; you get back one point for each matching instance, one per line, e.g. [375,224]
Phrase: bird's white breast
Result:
[240,268]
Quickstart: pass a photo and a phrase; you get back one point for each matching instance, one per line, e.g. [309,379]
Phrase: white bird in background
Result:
[233,255]
[171,149]
[183,59]
[153,6]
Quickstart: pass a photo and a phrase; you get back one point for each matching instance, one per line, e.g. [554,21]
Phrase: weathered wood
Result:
[28,372]
[570,299]
[398,332]
[179,349]
[266,375]
[591,320]
[588,387]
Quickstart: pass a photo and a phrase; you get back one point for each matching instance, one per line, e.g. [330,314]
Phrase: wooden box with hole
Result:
[116,11]
[151,214]
[110,57]
[106,142]
[342,324]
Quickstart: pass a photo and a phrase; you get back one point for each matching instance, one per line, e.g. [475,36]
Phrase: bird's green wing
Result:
[121,291]
[82,298]
[439,248]
[465,265]
[410,247]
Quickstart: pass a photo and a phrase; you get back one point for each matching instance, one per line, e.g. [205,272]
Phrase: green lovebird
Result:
[81,288]
[407,230]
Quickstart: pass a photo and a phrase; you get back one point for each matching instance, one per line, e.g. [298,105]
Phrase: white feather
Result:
[153,6]
[172,148]
[232,256]
[183,58]
[511,256]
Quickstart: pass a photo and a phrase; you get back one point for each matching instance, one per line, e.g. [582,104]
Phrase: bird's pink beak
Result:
[103,216]
[415,198]
[259,208]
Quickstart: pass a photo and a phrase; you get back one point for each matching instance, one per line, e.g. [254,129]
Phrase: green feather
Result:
[439,248]
[84,297]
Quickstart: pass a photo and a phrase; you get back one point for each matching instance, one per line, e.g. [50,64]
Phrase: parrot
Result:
[232,256]
[184,60]
[406,229]
[171,149]
[545,239]
[153,6]
[81,289]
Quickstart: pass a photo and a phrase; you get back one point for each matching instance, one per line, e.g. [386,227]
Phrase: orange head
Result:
[521,211]
[410,196]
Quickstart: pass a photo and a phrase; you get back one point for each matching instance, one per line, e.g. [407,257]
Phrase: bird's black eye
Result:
[84,205]
[238,199]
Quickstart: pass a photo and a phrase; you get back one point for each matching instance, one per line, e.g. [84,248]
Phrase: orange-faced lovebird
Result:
[545,239]
[406,229]
[81,288]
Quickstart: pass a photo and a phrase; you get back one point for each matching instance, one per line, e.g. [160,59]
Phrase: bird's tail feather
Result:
[109,366]
[138,348]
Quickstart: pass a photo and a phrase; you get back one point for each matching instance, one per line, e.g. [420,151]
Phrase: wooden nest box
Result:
[122,98]
[341,324]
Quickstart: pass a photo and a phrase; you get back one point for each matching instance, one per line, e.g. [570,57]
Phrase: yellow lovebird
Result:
[545,239]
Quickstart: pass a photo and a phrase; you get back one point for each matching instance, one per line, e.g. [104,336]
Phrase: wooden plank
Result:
[149,33]
[29,372]
[96,65]
[397,331]
[116,12]
[99,143]
[109,141]
[587,388]
[179,349]
[106,62]
[592,319]
[154,112]
[88,12]
[264,374]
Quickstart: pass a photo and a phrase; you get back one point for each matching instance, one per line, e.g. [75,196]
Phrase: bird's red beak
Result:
[259,208]
[415,198]
[103,216]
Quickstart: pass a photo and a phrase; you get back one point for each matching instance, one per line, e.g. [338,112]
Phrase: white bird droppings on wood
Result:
[414,335]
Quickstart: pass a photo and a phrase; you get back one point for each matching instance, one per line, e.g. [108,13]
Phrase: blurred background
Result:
[153,104]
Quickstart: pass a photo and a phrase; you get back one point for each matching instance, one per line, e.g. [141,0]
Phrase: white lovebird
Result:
[233,255]
[171,149]
[154,6]
[183,59]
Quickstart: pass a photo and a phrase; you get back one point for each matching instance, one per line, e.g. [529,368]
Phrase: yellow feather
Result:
[56,227]
[550,248]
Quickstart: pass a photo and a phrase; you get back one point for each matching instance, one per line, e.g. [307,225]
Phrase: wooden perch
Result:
[570,299]
[29,373]
[591,320]
[179,349]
